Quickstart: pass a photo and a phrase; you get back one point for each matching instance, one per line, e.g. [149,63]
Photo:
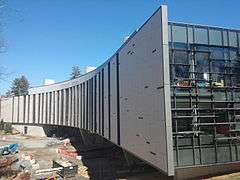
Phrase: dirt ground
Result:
[43,150]
[232,176]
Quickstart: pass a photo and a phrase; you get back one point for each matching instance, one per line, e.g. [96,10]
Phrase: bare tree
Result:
[75,72]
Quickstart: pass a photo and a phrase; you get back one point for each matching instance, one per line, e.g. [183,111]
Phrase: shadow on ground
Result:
[105,160]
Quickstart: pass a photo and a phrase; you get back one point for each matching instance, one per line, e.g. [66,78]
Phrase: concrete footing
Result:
[30,130]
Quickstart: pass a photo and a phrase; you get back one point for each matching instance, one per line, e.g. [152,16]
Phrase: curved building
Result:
[170,95]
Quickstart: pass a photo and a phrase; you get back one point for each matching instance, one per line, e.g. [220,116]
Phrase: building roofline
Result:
[117,51]
[202,25]
[130,37]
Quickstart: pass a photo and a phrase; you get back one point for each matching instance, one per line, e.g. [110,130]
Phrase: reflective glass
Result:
[202,62]
[239,40]
[201,36]
[216,53]
[186,157]
[181,57]
[219,95]
[236,96]
[223,154]
[234,155]
[215,37]
[190,35]
[226,54]
[169,33]
[179,34]
[204,77]
[233,55]
[208,155]
[232,38]
[170,56]
[225,38]
[218,80]
[181,71]
[236,72]
[207,139]
[187,141]
[218,66]
[197,156]
[236,81]
[175,157]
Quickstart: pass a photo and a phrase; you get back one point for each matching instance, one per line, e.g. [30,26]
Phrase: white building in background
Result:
[48,82]
[125,39]
[89,69]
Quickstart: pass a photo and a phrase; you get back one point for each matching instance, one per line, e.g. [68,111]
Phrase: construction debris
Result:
[66,168]
[23,176]
[7,161]
[25,157]
[9,149]
[83,171]
[66,151]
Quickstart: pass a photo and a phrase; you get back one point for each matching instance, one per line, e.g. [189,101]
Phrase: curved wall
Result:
[126,100]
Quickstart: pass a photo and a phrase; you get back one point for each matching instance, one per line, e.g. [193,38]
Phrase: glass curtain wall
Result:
[205,94]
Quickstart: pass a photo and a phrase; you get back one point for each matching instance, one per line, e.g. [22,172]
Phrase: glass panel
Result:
[170,56]
[236,71]
[201,36]
[236,80]
[236,96]
[202,66]
[239,40]
[215,37]
[184,125]
[234,155]
[232,38]
[186,157]
[223,154]
[218,66]
[206,139]
[181,57]
[238,151]
[175,158]
[208,155]
[186,141]
[197,156]
[218,80]
[179,34]
[182,71]
[233,55]
[190,35]
[226,54]
[169,33]
[210,93]
[184,103]
[216,53]
[219,95]
[225,38]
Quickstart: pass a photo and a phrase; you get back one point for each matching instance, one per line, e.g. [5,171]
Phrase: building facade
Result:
[170,95]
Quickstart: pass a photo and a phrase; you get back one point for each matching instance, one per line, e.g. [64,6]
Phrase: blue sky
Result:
[47,37]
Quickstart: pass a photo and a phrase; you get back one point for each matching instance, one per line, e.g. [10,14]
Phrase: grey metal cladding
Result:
[97,104]
[6,109]
[21,109]
[113,96]
[15,109]
[105,103]
[125,100]
[143,118]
